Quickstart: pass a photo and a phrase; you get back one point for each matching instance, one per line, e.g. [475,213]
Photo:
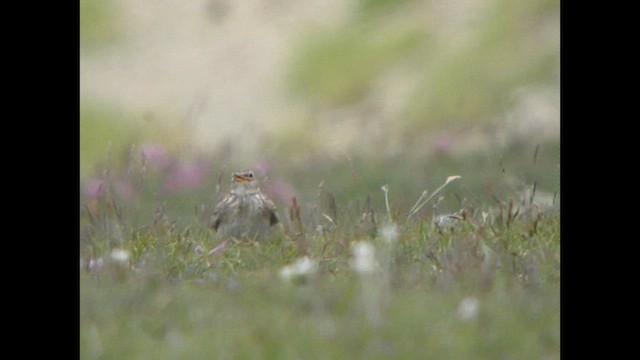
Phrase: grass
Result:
[98,25]
[484,285]
[463,72]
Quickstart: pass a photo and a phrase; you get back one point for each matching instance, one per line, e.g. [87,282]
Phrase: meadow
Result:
[385,272]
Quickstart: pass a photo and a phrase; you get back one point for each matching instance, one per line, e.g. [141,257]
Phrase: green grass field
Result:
[482,284]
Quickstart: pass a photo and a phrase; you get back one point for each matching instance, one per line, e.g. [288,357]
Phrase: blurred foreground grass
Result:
[482,287]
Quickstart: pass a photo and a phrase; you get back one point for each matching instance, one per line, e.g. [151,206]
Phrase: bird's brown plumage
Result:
[245,211]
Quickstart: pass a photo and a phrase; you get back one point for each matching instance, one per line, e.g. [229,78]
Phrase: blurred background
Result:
[327,100]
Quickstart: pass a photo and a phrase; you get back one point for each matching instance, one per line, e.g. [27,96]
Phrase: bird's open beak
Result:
[240,178]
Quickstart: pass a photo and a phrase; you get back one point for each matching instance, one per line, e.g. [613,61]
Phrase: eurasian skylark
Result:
[245,211]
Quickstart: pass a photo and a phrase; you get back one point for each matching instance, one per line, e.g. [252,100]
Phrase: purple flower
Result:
[93,265]
[281,191]
[155,155]
[444,143]
[95,188]
[186,176]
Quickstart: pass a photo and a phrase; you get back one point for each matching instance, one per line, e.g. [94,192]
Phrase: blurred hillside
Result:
[322,97]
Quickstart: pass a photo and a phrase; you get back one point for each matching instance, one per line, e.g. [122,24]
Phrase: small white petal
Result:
[120,255]
[300,269]
[364,257]
[389,232]
[468,308]
[306,265]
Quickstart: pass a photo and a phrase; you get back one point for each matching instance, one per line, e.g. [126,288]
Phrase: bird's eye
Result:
[250,175]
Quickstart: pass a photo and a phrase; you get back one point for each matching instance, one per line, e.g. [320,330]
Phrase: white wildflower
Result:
[389,233]
[120,256]
[468,308]
[299,270]
[364,257]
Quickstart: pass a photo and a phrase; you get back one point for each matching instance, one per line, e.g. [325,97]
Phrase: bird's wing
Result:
[270,209]
[220,211]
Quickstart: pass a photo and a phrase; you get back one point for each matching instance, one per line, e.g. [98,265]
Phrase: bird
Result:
[245,212]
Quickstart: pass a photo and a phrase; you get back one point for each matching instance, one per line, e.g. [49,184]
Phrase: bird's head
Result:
[244,181]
